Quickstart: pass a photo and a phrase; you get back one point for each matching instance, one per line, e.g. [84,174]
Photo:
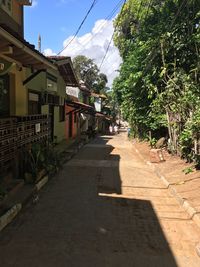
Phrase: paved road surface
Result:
[106,208]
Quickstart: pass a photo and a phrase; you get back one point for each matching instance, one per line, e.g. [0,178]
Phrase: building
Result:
[80,114]
[102,121]
[32,90]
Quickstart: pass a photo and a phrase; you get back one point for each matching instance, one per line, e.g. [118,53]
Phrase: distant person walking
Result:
[116,129]
[110,129]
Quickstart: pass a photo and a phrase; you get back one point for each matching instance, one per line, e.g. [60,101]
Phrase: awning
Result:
[98,114]
[103,116]
[99,95]
[80,107]
[14,47]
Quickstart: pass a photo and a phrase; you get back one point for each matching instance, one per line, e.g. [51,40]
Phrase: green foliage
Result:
[38,157]
[152,142]
[188,170]
[34,159]
[88,72]
[158,82]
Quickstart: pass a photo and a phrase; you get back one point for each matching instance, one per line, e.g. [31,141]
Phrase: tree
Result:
[158,83]
[88,72]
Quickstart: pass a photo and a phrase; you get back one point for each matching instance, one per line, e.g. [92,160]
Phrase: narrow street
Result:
[105,208]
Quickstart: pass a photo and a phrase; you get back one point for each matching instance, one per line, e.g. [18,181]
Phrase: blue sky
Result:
[57,20]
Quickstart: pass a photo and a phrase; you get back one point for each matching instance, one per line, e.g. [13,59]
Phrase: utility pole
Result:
[39,43]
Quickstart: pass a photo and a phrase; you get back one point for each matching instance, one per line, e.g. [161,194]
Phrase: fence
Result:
[16,132]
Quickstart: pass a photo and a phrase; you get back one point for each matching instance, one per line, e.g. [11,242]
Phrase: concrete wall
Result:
[19,96]
[59,127]
[38,83]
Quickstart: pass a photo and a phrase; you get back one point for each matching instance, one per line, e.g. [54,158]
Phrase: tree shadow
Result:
[83,221]
[124,232]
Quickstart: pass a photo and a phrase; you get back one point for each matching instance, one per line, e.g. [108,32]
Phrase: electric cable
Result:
[109,42]
[106,51]
[102,25]
[80,26]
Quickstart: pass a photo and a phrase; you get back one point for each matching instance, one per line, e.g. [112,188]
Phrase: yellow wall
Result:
[18,93]
[61,87]
[38,83]
[59,127]
[19,96]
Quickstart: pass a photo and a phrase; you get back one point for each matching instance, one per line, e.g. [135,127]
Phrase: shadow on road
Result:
[127,231]
[82,220]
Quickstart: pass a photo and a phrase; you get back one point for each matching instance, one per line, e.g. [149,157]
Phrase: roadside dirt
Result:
[174,168]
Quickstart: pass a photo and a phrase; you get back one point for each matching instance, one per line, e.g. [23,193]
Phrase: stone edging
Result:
[9,216]
[193,213]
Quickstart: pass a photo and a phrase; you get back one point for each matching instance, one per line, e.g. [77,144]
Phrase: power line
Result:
[106,51]
[110,42]
[114,9]
[101,26]
[80,26]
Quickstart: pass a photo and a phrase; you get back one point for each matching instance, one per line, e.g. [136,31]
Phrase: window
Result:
[51,82]
[62,113]
[34,105]
[6,5]
[4,96]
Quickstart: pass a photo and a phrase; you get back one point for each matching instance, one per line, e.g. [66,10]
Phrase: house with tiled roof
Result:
[32,90]
[80,114]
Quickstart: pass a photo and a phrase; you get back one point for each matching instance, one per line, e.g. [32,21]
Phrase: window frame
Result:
[61,113]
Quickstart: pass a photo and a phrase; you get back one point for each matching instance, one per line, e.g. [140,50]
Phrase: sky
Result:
[58,20]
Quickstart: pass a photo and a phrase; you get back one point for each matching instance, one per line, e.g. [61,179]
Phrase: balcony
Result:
[16,132]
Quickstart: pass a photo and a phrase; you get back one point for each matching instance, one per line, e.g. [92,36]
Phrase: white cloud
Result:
[94,45]
[34,3]
[61,2]
[48,52]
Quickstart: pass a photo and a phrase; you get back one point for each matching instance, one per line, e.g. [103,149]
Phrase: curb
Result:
[192,212]
[42,182]
[10,215]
